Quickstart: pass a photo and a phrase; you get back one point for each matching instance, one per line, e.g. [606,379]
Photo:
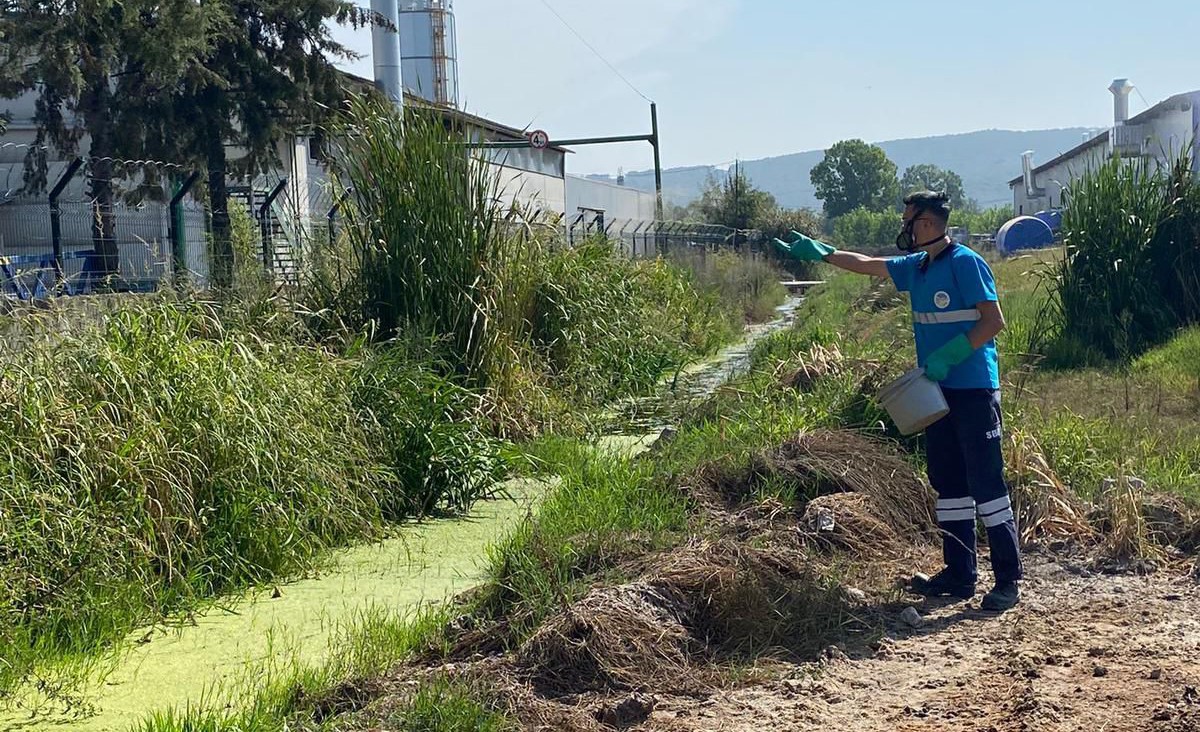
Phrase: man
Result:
[956,316]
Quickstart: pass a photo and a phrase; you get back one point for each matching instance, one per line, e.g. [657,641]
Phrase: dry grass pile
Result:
[625,637]
[850,523]
[819,363]
[836,461]
[1127,520]
[805,370]
[704,602]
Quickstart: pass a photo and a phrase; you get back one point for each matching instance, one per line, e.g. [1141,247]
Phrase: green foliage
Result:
[748,285]
[427,255]
[779,223]
[164,458]
[1129,279]
[90,62]
[443,706]
[734,202]
[987,221]
[267,73]
[854,174]
[593,356]
[864,229]
[926,177]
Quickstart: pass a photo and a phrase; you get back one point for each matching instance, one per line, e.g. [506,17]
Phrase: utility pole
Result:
[658,209]
[737,199]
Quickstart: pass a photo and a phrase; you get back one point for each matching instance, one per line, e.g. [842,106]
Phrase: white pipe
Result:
[1031,189]
[1120,89]
[385,50]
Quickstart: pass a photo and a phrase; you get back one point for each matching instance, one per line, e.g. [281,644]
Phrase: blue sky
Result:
[755,78]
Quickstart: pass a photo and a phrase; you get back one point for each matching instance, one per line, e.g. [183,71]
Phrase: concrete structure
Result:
[1158,135]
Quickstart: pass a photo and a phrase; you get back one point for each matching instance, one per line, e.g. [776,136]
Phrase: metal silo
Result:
[429,51]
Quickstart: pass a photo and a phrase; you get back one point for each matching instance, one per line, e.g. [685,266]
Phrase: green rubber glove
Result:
[939,363]
[804,248]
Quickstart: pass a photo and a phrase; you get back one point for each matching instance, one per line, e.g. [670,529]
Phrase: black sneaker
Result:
[1002,597]
[942,584]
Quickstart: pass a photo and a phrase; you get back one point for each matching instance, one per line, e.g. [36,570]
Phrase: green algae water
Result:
[224,646]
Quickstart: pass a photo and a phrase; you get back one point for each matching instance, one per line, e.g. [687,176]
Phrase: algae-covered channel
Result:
[223,649]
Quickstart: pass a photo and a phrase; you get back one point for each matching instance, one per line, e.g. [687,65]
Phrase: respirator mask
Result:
[906,240]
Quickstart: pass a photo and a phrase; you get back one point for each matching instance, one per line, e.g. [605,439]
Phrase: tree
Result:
[87,60]
[926,177]
[855,174]
[779,223]
[734,202]
[868,230]
[269,74]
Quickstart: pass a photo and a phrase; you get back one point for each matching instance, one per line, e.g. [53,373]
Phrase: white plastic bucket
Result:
[914,402]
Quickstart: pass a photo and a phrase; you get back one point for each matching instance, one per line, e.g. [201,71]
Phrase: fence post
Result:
[56,216]
[264,222]
[332,215]
[175,229]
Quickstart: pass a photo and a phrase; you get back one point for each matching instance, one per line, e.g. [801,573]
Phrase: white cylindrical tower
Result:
[429,50]
[385,50]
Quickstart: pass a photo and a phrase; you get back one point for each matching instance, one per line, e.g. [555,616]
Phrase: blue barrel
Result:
[1024,233]
[1052,218]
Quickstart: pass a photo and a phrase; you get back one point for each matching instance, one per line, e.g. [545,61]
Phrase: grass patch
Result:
[161,459]
[605,509]
[444,706]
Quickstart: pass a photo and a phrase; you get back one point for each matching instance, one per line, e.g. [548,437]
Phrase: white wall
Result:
[543,192]
[617,202]
[1053,180]
[1161,137]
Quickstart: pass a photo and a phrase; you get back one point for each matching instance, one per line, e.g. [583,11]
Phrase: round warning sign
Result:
[539,139]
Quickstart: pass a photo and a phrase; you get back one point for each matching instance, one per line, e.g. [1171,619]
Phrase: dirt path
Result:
[1083,651]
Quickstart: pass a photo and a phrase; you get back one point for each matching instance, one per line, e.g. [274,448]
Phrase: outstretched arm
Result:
[860,263]
[810,250]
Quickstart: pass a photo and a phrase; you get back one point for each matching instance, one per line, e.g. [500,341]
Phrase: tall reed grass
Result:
[163,458]
[430,251]
[1131,277]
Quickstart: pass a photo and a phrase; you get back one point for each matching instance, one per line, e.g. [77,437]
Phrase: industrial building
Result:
[415,62]
[1159,134]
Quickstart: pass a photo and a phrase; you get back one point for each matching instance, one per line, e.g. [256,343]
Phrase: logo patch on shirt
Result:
[941,300]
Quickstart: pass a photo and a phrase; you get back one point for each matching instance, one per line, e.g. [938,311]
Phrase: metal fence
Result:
[645,239]
[49,244]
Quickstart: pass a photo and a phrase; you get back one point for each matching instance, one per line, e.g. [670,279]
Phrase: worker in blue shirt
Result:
[956,317]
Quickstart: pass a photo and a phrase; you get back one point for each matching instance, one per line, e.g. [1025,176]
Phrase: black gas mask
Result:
[906,240]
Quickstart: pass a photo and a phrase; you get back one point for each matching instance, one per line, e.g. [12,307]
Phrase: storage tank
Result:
[429,50]
[1023,233]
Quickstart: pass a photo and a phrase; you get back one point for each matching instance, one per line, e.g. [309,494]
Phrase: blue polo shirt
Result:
[950,285]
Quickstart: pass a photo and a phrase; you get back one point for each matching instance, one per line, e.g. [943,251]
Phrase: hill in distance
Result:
[986,161]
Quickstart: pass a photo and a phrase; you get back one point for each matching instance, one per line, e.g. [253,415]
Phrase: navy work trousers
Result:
[964,452]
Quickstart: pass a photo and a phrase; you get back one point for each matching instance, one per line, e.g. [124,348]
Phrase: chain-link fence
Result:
[134,224]
[646,239]
[157,229]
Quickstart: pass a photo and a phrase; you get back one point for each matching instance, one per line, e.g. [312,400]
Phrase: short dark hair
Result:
[934,202]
